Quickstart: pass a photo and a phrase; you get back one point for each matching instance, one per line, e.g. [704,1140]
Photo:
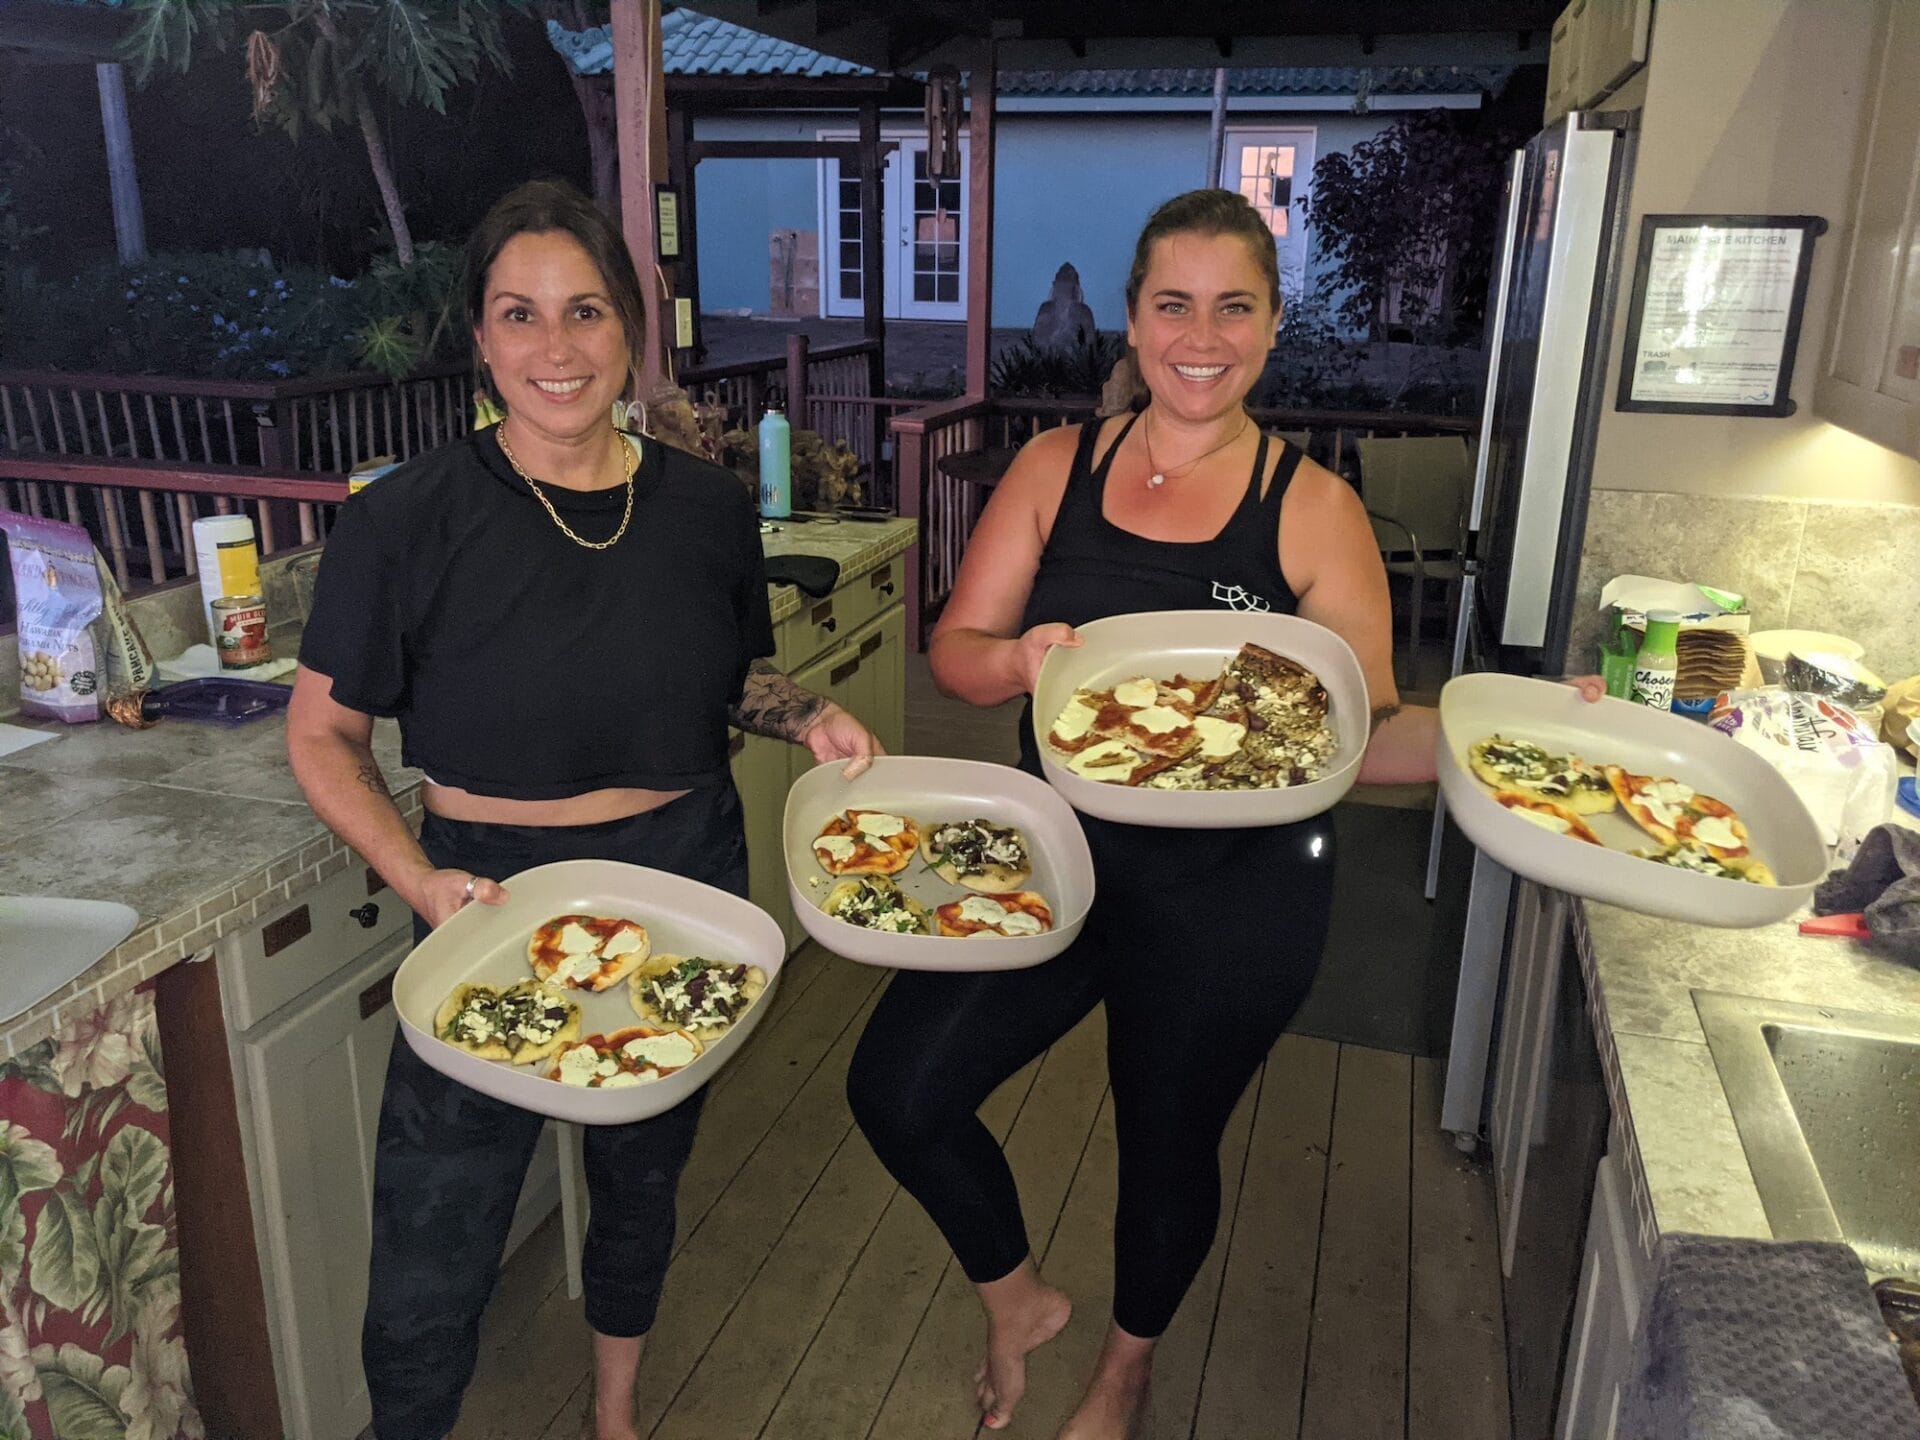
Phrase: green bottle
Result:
[1654,667]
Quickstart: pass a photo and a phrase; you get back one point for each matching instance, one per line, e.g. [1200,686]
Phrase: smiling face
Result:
[552,339]
[1203,324]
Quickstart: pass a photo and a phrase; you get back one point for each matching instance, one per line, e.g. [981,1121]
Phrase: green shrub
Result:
[1024,368]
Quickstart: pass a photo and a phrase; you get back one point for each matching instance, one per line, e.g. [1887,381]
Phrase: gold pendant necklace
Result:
[633,466]
[1156,477]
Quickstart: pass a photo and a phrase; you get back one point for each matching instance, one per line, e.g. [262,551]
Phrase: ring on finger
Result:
[472,880]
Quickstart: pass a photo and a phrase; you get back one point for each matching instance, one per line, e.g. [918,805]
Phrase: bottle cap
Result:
[1663,628]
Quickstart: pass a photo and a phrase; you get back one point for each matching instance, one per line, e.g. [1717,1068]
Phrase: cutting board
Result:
[45,942]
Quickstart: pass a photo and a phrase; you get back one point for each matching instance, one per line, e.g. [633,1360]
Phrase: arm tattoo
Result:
[772,705]
[1382,714]
[369,775]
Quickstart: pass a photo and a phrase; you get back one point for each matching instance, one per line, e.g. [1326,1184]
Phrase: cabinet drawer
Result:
[821,624]
[305,941]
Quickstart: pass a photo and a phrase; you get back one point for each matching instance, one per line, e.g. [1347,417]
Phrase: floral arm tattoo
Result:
[369,775]
[772,705]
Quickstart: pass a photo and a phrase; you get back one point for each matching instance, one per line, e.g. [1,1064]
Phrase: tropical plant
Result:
[318,62]
[17,153]
[1407,221]
[1025,368]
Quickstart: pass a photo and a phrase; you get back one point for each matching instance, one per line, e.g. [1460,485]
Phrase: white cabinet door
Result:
[760,773]
[1606,1316]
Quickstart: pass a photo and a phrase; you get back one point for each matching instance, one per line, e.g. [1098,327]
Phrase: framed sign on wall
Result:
[1715,314]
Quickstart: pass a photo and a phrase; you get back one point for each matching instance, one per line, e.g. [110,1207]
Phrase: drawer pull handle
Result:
[376,997]
[829,624]
[368,915]
[841,674]
[871,644]
[883,581]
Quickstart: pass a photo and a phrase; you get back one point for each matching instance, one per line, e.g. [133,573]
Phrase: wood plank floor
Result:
[1352,1291]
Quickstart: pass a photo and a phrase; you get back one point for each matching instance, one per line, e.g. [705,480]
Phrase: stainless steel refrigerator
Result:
[1549,327]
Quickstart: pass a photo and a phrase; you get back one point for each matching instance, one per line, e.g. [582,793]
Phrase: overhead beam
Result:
[847,152]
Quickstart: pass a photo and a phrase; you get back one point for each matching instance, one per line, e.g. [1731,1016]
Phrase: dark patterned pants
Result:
[450,1161]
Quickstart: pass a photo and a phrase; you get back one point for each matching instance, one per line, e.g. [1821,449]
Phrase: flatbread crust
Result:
[708,1001]
[985,874]
[1672,812]
[1533,770]
[871,854]
[1547,814]
[596,969]
[953,922]
[497,1002]
[851,902]
[1749,868]
[613,1067]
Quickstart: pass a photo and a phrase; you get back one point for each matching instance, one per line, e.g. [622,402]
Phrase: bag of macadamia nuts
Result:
[56,600]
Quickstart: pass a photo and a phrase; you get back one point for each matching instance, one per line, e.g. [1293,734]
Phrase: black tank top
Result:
[1091,568]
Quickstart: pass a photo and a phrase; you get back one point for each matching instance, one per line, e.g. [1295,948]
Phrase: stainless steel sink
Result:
[1828,1107]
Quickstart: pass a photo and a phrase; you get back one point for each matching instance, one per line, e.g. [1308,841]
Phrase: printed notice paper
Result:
[1717,315]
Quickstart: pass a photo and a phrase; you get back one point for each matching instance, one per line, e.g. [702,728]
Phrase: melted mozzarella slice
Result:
[1137,693]
[1075,720]
[878,825]
[982,911]
[573,969]
[669,1052]
[624,943]
[838,848]
[574,940]
[578,1064]
[1716,830]
[1218,738]
[624,1079]
[1159,719]
[1541,818]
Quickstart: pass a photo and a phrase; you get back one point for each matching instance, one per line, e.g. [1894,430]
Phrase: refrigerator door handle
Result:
[1496,342]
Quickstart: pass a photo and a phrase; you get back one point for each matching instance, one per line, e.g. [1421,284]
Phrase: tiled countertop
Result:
[1683,1152]
[202,829]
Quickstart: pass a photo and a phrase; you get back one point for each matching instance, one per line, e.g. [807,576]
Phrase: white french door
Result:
[1273,169]
[923,225]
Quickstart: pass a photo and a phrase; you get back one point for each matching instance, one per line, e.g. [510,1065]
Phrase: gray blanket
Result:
[1883,883]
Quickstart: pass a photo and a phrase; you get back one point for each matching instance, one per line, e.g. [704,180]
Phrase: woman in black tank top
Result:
[1201,944]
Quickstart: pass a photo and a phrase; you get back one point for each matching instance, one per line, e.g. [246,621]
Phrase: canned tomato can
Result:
[240,631]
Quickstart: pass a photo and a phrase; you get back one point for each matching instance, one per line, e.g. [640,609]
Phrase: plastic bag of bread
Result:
[1834,762]
[1899,712]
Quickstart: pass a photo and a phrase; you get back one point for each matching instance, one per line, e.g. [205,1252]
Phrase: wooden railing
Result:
[948,510]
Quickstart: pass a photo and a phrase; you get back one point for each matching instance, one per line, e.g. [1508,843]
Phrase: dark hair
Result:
[543,207]
[1206,212]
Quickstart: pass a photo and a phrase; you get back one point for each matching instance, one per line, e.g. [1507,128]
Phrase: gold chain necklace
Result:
[633,465]
[1156,476]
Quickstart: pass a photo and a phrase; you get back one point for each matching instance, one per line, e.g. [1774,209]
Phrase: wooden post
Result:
[796,382]
[129,224]
[980,98]
[873,284]
[639,96]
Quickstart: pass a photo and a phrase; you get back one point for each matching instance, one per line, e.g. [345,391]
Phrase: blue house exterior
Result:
[1081,159]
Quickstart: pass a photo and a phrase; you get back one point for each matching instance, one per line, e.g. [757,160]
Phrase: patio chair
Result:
[1415,490]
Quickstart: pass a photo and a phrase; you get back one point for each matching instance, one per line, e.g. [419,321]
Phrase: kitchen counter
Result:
[1683,1154]
[202,829]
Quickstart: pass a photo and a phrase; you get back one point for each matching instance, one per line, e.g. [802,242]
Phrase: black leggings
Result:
[1202,945]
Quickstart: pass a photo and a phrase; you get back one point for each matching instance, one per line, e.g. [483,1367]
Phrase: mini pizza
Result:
[692,993]
[1689,857]
[1073,729]
[1547,814]
[519,1023]
[979,855]
[866,842]
[874,902]
[635,1056]
[1152,728]
[1672,812]
[587,952]
[1116,762]
[1520,765]
[1002,916]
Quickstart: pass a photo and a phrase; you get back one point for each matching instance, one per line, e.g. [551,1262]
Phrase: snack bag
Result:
[57,598]
[1834,762]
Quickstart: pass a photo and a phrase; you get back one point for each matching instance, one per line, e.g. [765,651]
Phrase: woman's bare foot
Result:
[1116,1398]
[1023,1313]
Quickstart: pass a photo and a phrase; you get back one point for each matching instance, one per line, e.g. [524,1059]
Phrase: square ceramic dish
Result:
[488,944]
[1198,643]
[930,792]
[1645,742]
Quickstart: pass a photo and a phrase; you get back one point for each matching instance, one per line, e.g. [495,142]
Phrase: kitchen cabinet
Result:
[760,775]
[1613,1288]
[1597,45]
[1871,380]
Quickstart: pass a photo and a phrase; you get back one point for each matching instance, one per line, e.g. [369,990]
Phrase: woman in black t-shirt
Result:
[564,620]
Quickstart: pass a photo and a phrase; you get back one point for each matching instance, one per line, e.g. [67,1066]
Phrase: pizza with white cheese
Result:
[1533,770]
[519,1023]
[1549,815]
[979,855]
[1672,812]
[693,993]
[1749,868]
[635,1056]
[1002,916]
[866,842]
[587,952]
[874,902]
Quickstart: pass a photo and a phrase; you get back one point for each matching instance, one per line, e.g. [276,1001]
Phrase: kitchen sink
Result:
[1828,1107]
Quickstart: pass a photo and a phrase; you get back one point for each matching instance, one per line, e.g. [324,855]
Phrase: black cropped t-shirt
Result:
[522,665]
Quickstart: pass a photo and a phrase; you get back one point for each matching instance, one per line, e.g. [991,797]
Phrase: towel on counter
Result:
[1763,1340]
[814,574]
[1883,883]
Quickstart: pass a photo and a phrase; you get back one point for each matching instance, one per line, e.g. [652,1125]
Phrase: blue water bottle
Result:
[776,465]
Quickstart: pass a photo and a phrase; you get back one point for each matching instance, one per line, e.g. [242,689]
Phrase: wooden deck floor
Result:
[1352,1292]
